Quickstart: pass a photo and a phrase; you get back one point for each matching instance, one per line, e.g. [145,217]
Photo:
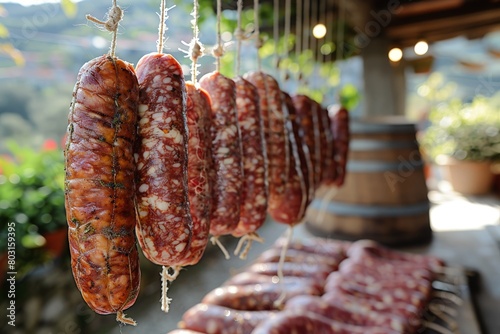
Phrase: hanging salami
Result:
[99,185]
[226,153]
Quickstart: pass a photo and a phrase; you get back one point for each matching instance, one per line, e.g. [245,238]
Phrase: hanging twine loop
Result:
[114,16]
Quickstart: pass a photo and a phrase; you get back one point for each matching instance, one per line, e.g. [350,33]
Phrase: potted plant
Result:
[32,199]
[464,138]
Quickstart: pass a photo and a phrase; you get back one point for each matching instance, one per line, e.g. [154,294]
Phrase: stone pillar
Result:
[384,83]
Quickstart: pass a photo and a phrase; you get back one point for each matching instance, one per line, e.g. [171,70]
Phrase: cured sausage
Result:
[215,319]
[185,331]
[254,190]
[200,165]
[291,210]
[276,136]
[307,119]
[99,185]
[339,118]
[329,165]
[326,142]
[164,220]
[226,153]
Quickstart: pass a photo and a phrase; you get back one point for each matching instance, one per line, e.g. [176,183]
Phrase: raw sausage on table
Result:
[258,297]
[226,153]
[359,303]
[248,278]
[336,312]
[164,218]
[215,319]
[99,185]
[254,190]
[316,271]
[374,249]
[200,165]
[289,321]
[298,256]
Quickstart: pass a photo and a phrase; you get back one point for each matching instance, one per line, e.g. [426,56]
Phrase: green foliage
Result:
[349,96]
[31,196]
[465,131]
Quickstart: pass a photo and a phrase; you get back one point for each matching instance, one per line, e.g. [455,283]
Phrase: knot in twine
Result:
[115,15]
[239,34]
[259,42]
[195,50]
[218,51]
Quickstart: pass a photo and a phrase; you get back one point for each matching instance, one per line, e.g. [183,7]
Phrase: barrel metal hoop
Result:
[346,209]
[369,145]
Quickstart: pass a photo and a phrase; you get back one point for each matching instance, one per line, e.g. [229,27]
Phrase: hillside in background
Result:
[34,98]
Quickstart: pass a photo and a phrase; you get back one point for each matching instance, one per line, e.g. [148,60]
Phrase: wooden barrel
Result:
[384,197]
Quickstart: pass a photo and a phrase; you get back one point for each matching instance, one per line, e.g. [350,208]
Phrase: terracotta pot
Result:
[56,241]
[468,177]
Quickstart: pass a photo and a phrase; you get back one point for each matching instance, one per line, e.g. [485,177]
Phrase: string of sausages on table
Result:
[154,160]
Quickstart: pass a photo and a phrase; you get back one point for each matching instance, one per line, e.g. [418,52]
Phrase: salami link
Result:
[164,218]
[226,153]
[184,331]
[339,118]
[308,120]
[200,165]
[291,210]
[99,185]
[329,164]
[322,138]
[215,319]
[254,190]
[276,136]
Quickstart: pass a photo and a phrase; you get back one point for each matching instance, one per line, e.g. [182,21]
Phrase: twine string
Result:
[286,36]
[114,16]
[239,35]
[218,50]
[195,48]
[258,41]
[161,27]
[298,32]
[276,31]
[340,31]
